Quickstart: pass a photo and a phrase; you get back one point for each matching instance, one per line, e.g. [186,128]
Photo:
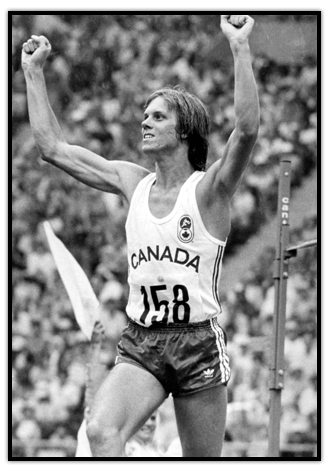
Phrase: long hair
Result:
[193,124]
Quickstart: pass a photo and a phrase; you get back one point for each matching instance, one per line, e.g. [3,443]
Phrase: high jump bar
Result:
[301,246]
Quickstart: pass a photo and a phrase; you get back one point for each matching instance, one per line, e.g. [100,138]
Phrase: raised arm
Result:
[118,177]
[225,175]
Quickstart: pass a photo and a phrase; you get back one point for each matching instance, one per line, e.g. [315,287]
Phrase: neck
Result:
[173,171]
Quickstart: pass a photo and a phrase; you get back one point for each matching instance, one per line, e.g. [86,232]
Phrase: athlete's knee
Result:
[106,439]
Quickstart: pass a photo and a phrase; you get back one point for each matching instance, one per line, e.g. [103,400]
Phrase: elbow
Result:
[49,150]
[49,145]
[43,154]
[46,154]
[248,134]
[249,129]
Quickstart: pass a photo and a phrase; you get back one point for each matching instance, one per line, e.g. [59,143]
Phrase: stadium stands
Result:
[100,72]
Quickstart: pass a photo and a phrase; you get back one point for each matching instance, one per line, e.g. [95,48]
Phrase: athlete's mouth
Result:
[147,136]
[147,430]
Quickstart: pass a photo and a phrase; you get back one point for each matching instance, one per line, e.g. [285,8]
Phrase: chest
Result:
[162,204]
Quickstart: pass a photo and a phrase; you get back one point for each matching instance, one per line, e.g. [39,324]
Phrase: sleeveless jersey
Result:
[174,262]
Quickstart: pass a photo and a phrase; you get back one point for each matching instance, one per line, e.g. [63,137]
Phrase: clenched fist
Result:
[35,52]
[237,27]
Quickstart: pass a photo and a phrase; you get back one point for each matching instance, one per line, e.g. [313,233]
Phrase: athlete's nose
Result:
[146,123]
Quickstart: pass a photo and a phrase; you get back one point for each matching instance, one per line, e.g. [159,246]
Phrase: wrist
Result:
[239,46]
[33,72]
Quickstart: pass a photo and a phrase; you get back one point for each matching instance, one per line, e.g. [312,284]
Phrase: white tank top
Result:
[174,262]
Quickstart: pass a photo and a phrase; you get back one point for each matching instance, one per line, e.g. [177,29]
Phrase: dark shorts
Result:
[185,358]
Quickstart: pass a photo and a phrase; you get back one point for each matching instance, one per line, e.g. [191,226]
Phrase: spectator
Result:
[142,443]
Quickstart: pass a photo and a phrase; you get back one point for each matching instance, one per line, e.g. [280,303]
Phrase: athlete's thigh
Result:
[201,419]
[126,399]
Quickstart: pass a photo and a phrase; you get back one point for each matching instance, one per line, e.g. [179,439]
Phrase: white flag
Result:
[84,302]
[80,292]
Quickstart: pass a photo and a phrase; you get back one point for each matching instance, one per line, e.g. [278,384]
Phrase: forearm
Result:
[246,100]
[45,128]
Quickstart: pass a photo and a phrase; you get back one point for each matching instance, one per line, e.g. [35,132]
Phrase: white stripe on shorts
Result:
[224,362]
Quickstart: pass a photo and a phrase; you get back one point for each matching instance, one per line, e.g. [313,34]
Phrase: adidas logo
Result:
[208,373]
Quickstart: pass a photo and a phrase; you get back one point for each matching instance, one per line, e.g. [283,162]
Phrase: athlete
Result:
[177,227]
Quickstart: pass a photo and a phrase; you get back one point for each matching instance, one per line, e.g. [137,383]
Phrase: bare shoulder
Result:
[130,174]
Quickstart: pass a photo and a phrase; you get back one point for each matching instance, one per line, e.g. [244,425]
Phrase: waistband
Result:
[173,327]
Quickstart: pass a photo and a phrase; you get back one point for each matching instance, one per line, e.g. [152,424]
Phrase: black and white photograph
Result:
[164,207]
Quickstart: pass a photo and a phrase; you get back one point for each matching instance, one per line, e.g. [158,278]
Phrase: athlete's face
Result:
[159,127]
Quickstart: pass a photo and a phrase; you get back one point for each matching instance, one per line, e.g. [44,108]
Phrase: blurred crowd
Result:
[248,321]
[99,74]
